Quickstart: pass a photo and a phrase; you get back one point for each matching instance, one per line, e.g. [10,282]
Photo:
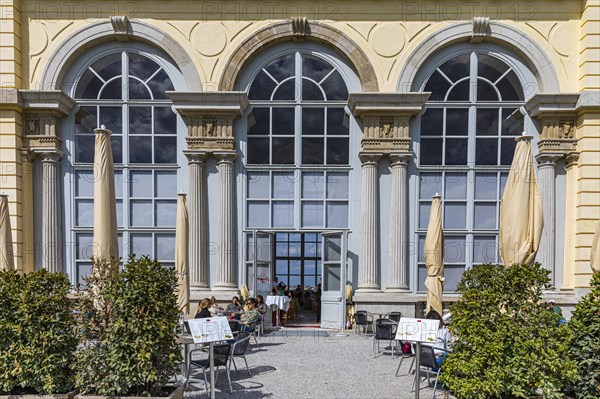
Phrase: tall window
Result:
[125,91]
[297,154]
[467,143]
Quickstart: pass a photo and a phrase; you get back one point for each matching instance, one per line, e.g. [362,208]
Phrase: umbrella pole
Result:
[418,370]
[211,357]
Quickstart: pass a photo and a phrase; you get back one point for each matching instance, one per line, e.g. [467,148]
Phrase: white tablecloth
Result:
[282,302]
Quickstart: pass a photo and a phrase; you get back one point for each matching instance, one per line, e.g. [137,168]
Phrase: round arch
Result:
[282,31]
[79,42]
[501,34]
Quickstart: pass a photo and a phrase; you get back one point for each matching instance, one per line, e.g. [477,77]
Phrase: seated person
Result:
[443,340]
[234,308]
[214,307]
[203,311]
[554,307]
[260,305]
[250,318]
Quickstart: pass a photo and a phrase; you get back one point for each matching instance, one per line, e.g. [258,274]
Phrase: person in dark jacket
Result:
[203,311]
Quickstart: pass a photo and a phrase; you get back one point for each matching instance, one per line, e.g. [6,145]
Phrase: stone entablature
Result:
[209,118]
[385,118]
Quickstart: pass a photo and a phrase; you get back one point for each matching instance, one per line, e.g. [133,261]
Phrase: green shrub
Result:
[37,337]
[585,342]
[507,343]
[130,344]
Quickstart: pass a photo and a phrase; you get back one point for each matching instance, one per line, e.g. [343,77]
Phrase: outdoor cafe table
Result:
[185,340]
[281,302]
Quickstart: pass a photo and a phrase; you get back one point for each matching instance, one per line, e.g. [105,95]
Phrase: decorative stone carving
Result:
[299,28]
[120,25]
[481,29]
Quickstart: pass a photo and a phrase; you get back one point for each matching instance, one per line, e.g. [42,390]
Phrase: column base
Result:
[368,289]
[225,286]
[399,290]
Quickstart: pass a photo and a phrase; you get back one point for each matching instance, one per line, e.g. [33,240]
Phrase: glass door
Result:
[259,263]
[333,276]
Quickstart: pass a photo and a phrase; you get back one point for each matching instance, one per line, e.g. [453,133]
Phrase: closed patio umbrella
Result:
[7,261]
[521,220]
[595,253]
[182,255]
[434,257]
[106,243]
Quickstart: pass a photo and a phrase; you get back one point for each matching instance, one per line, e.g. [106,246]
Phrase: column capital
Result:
[571,159]
[369,158]
[195,156]
[400,158]
[225,156]
[50,156]
[547,159]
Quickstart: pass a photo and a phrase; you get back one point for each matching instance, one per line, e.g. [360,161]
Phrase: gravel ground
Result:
[312,366]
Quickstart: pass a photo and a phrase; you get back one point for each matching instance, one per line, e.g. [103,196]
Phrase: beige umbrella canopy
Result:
[521,220]
[434,257]
[7,261]
[595,254]
[106,242]
[182,255]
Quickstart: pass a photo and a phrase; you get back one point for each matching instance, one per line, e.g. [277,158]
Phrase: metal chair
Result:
[363,318]
[394,316]
[385,330]
[221,356]
[406,355]
[427,361]
[239,349]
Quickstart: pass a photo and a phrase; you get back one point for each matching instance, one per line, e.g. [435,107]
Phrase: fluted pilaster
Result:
[226,268]
[546,180]
[570,216]
[397,273]
[368,269]
[198,239]
[51,212]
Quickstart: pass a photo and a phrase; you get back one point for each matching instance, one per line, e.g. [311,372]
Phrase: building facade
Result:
[302,133]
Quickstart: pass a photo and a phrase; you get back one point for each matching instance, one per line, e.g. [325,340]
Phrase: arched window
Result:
[125,91]
[465,149]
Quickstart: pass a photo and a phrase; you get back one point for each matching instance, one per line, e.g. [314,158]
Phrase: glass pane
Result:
[335,87]
[507,151]
[85,120]
[456,151]
[282,67]
[84,270]
[141,213]
[283,185]
[510,88]
[287,91]
[138,90]
[315,68]
[283,279]
[422,275]
[310,281]
[335,122]
[141,184]
[438,86]
[337,185]
[140,149]
[430,184]
[84,183]
[261,121]
[484,249]
[457,67]
[338,151]
[512,122]
[141,67]
[108,66]
[294,281]
[84,245]
[312,214]
[88,87]
[455,216]
[166,184]
[262,87]
[116,145]
[454,249]
[457,121]
[283,214]
[503,178]
[112,90]
[337,214]
[424,208]
[312,151]
[84,149]
[487,122]
[310,249]
[118,183]
[159,84]
[421,255]
[295,249]
[432,122]
[485,185]
[485,91]
[258,150]
[283,121]
[140,120]
[333,248]
[258,214]
[460,92]
[258,184]
[312,185]
[456,186]
[453,275]
[165,149]
[332,281]
[263,247]
[490,68]
[310,266]
[281,249]
[165,121]
[295,267]
[283,150]
[141,244]
[310,91]
[431,152]
[166,213]
[165,247]
[281,266]
[485,216]
[84,213]
[112,118]
[313,121]
[486,152]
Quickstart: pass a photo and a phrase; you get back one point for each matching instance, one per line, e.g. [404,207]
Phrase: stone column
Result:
[51,212]
[570,216]
[397,273]
[197,214]
[546,177]
[368,271]
[226,268]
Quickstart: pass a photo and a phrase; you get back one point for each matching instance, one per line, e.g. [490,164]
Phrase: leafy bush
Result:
[507,343]
[37,337]
[129,326]
[585,342]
